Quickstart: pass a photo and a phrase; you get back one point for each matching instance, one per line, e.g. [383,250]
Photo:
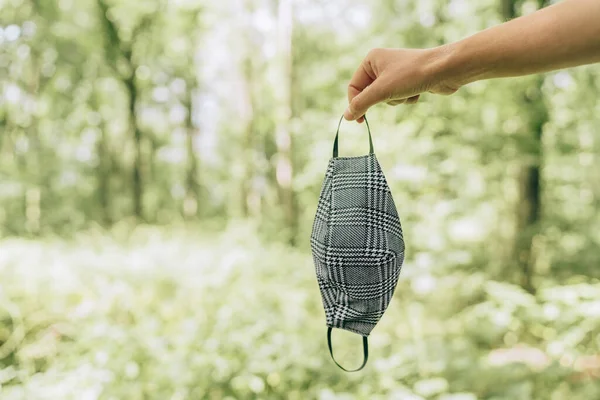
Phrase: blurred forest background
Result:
[160,165]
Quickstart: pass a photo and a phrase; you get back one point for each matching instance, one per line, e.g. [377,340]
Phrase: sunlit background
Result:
[160,166]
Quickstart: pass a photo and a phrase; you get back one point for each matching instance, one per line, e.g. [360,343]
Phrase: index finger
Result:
[362,78]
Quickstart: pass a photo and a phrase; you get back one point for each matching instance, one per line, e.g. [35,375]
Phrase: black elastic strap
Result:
[365,352]
[335,142]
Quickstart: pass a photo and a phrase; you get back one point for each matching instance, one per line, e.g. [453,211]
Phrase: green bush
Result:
[168,314]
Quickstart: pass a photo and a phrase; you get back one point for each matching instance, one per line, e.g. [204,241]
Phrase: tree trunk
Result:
[104,192]
[283,139]
[528,213]
[117,50]
[40,176]
[250,199]
[529,199]
[137,189]
[192,196]
[104,170]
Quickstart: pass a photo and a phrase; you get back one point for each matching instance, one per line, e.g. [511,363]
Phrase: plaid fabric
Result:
[357,244]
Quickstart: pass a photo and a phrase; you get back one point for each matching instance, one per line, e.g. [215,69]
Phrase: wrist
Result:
[454,66]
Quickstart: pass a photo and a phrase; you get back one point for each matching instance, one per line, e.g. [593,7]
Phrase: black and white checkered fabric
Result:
[357,244]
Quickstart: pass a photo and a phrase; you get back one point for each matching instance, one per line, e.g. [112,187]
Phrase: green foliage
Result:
[167,314]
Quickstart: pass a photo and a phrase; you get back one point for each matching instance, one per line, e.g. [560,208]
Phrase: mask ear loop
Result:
[365,352]
[335,142]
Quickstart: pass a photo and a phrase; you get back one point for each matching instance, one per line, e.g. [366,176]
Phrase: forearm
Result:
[564,35]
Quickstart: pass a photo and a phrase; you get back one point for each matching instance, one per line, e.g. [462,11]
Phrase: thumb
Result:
[359,105]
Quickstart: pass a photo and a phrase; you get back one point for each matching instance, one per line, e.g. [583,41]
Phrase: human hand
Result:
[563,35]
[398,76]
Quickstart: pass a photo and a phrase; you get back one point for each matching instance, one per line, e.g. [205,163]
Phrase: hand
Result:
[397,76]
[566,34]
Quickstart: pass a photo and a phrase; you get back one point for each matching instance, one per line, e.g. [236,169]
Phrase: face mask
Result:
[357,244]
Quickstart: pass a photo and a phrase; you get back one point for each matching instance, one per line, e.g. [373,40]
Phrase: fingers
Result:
[363,77]
[395,102]
[413,99]
[359,105]
[410,100]
[390,75]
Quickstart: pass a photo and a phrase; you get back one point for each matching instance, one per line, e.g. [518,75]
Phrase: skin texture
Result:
[563,35]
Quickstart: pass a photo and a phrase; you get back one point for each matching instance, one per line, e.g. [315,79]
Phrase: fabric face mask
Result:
[357,244]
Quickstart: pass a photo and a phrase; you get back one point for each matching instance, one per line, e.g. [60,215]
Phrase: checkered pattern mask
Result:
[357,244]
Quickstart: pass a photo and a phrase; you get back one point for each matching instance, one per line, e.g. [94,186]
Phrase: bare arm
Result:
[564,35]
